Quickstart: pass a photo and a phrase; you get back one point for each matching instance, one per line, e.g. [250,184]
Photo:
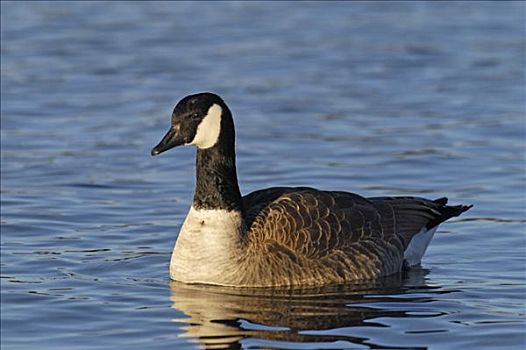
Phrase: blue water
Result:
[378,98]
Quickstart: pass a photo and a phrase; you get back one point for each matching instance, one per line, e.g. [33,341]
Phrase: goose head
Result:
[201,120]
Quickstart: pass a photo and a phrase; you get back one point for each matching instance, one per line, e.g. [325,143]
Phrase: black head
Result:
[197,120]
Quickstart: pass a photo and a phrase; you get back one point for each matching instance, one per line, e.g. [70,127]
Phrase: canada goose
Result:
[284,236]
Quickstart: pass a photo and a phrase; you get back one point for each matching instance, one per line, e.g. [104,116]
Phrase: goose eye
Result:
[195,115]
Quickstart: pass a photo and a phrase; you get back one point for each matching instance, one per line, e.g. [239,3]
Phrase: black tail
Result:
[447,211]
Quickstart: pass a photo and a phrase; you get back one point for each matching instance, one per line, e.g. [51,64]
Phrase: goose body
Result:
[285,236]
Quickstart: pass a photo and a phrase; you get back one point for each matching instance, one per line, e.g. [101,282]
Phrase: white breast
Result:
[207,245]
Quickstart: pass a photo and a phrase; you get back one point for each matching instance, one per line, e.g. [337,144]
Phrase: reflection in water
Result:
[221,317]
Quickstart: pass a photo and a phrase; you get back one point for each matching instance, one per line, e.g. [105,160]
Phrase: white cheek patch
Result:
[208,130]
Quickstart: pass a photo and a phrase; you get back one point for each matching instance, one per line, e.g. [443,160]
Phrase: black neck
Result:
[216,184]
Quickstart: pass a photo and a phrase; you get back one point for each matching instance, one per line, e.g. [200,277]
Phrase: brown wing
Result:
[313,221]
[339,232]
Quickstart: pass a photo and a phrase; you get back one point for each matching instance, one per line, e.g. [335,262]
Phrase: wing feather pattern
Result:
[302,235]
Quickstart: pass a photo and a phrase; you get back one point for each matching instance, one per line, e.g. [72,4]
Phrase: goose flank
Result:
[285,236]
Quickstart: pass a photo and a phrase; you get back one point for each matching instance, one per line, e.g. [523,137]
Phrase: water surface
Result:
[413,98]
